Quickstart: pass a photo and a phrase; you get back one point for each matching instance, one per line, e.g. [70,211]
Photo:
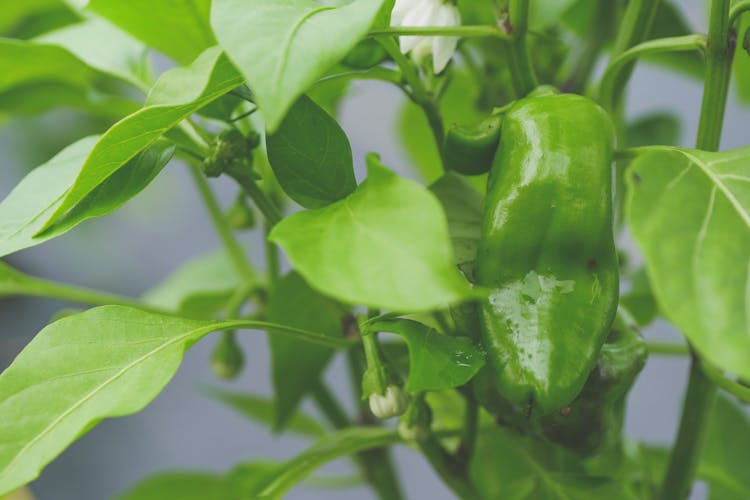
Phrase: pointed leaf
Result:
[107,362]
[178,28]
[509,465]
[284,47]
[182,485]
[178,93]
[690,213]
[26,62]
[113,52]
[386,245]
[462,205]
[296,366]
[436,361]
[24,210]
[311,156]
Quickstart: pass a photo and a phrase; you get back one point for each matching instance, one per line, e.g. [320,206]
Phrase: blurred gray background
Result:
[133,249]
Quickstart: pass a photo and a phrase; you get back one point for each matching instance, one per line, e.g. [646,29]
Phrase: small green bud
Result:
[227,359]
[240,215]
[390,404]
[414,425]
[231,153]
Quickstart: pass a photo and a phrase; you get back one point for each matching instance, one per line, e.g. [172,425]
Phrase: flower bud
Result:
[390,404]
[414,425]
[227,359]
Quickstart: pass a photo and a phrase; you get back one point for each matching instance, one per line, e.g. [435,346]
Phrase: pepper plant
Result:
[515,317]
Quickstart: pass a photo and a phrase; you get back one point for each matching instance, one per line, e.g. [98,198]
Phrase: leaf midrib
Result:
[99,388]
[280,70]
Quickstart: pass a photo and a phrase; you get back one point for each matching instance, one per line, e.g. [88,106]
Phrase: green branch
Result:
[635,28]
[617,72]
[737,10]
[418,92]
[41,288]
[668,349]
[231,245]
[519,59]
[736,389]
[461,31]
[701,392]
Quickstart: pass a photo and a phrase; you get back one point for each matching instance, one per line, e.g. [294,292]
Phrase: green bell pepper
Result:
[593,421]
[546,251]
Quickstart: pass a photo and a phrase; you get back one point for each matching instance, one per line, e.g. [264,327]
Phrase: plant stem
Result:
[522,71]
[468,440]
[231,245]
[272,257]
[635,28]
[37,287]
[668,349]
[737,10]
[462,31]
[331,408]
[719,53]
[375,463]
[683,463]
[586,59]
[419,93]
[265,205]
[740,391]
[618,70]
[701,392]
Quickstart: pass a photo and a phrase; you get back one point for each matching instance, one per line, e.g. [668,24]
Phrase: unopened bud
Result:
[227,359]
[391,404]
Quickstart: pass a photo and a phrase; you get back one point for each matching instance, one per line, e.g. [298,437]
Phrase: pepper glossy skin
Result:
[470,150]
[547,252]
[593,422]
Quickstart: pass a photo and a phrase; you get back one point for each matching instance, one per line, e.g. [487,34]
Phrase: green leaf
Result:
[27,62]
[340,444]
[199,288]
[284,47]
[38,97]
[510,466]
[297,367]
[182,485]
[690,214]
[178,28]
[436,361]
[386,245]
[262,410]
[639,301]
[18,16]
[547,12]
[311,156]
[462,205]
[727,452]
[178,93]
[24,210]
[114,52]
[109,361]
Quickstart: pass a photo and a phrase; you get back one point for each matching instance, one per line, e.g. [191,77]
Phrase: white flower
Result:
[391,404]
[427,13]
